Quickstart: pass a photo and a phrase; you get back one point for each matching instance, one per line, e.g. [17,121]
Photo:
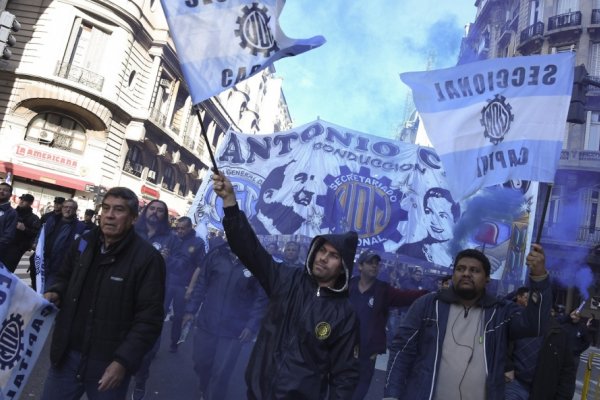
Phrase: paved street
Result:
[172,376]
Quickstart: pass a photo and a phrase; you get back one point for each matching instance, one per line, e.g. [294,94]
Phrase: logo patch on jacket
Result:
[371,301]
[356,352]
[247,273]
[322,330]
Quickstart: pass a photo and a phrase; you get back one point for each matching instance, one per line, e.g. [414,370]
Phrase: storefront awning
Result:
[21,171]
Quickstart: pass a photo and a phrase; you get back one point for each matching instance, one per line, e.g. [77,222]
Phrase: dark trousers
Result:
[12,257]
[32,271]
[141,376]
[74,378]
[214,360]
[175,294]
[366,365]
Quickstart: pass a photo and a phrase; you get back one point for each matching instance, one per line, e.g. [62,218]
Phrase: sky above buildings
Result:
[353,79]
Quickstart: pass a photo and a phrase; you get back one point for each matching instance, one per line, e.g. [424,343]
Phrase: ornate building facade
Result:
[93,97]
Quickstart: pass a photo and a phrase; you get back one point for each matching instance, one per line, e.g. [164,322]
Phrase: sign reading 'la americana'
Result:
[46,156]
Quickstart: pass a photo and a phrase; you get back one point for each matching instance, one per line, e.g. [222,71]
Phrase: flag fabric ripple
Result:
[496,120]
[222,42]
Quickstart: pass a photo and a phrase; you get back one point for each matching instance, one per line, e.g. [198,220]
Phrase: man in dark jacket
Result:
[233,303]
[88,217]
[58,236]
[110,290]
[8,220]
[578,333]
[372,299]
[28,226]
[153,226]
[543,365]
[187,255]
[455,341]
[54,213]
[307,347]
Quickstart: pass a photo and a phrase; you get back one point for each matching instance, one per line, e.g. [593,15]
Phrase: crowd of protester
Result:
[316,327]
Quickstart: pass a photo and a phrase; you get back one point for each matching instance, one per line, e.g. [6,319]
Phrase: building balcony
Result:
[507,30]
[159,117]
[585,235]
[188,142]
[594,27]
[580,159]
[563,21]
[80,75]
[531,38]
[134,169]
[595,17]
[564,26]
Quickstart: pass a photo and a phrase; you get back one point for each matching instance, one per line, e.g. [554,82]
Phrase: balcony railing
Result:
[80,75]
[564,20]
[588,234]
[596,16]
[159,117]
[133,168]
[580,155]
[531,31]
[585,234]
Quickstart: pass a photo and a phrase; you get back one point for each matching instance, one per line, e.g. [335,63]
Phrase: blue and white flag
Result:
[26,321]
[496,120]
[221,43]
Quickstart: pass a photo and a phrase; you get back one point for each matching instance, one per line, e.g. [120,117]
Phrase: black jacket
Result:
[127,303]
[8,224]
[231,296]
[555,372]
[23,238]
[308,341]
[57,242]
[187,253]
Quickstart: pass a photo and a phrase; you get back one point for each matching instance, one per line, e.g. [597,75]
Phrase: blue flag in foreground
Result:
[221,43]
[496,120]
[26,321]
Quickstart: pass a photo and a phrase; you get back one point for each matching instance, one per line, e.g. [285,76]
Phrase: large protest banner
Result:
[496,120]
[26,321]
[321,178]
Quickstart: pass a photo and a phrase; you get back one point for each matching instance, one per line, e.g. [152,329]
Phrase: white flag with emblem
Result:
[221,43]
[26,321]
[496,120]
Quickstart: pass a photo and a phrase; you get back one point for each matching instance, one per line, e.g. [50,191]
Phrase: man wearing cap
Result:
[372,299]
[28,226]
[452,343]
[56,211]
[307,346]
[8,220]
[87,220]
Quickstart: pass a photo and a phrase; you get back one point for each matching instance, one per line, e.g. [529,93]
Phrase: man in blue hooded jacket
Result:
[453,344]
[307,346]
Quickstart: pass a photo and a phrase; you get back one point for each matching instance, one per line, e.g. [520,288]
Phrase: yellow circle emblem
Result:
[323,330]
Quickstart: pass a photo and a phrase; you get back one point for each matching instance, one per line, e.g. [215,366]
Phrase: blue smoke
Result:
[572,271]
